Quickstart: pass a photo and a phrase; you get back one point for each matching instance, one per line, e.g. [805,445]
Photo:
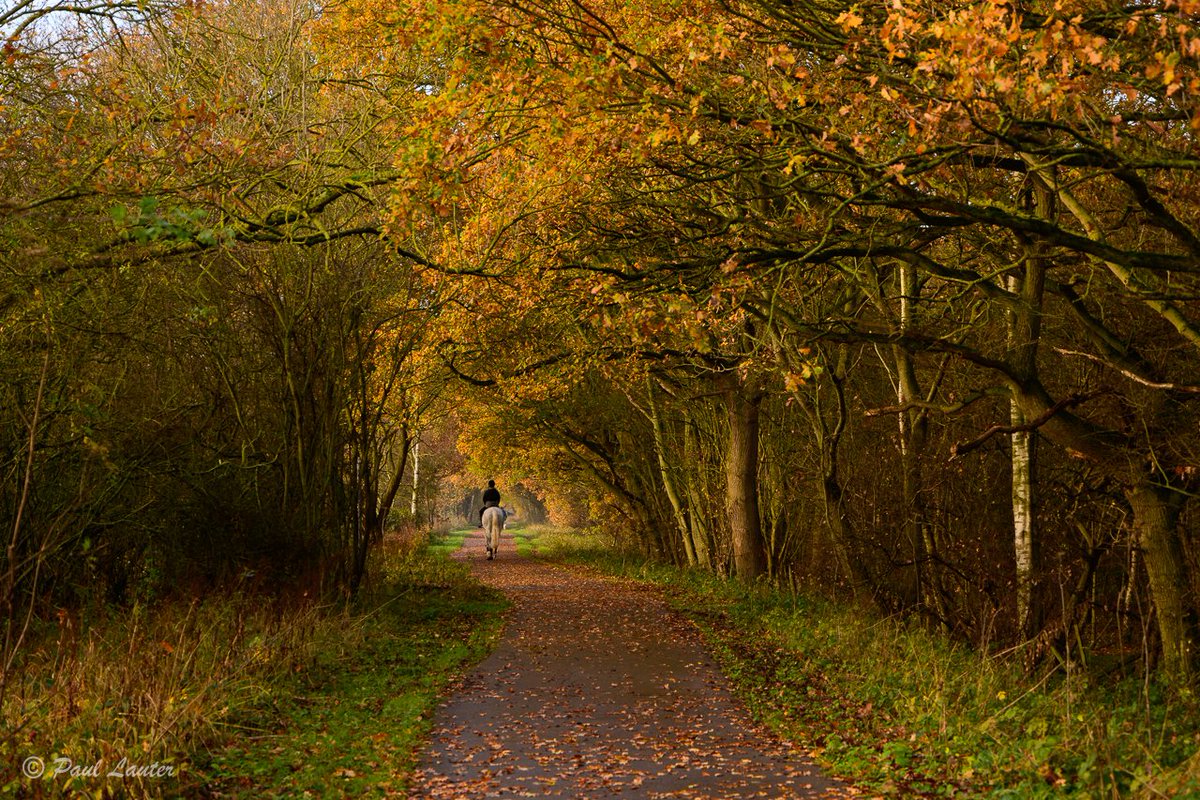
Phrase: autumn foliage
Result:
[893,300]
[974,220]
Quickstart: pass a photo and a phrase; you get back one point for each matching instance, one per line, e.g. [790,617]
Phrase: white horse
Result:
[493,523]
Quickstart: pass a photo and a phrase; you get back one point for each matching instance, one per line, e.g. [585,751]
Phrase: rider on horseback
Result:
[491,496]
[491,499]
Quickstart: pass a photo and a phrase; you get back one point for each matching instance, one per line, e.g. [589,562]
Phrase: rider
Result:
[491,497]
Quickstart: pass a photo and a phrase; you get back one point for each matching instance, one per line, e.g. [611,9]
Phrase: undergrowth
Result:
[245,696]
[901,712]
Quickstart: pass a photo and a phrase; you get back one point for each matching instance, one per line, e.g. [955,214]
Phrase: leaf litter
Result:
[598,690]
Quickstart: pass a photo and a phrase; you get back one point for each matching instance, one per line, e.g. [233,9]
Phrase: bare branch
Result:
[1133,376]
[1068,402]
[950,408]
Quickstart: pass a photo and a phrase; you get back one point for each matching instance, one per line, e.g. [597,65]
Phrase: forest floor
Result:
[598,689]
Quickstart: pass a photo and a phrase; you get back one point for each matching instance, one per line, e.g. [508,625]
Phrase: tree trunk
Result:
[1023,530]
[698,516]
[914,433]
[1155,523]
[1025,330]
[416,480]
[668,479]
[741,480]
[837,516]
[841,531]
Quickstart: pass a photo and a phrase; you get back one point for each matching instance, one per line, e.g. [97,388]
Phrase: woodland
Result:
[894,302]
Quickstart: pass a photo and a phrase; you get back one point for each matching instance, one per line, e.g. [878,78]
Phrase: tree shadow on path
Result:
[598,690]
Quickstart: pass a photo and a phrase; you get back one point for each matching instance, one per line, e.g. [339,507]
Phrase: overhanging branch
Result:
[957,450]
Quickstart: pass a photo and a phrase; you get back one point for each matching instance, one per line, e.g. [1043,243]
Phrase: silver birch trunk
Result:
[1022,478]
[1022,517]
[416,482]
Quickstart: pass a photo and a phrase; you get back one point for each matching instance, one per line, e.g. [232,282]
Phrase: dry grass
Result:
[158,684]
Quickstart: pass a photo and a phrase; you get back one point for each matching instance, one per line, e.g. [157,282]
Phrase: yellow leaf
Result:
[849,20]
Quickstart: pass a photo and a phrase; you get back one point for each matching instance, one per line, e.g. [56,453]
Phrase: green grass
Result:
[901,712]
[357,721]
[546,541]
[524,537]
[443,543]
[245,698]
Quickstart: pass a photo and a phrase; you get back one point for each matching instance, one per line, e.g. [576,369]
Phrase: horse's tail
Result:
[493,524]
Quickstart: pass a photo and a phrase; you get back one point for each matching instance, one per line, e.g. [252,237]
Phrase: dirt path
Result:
[598,690]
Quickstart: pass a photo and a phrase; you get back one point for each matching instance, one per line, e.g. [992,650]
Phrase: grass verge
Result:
[900,712]
[249,698]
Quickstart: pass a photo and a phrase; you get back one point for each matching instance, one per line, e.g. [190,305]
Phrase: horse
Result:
[493,523]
